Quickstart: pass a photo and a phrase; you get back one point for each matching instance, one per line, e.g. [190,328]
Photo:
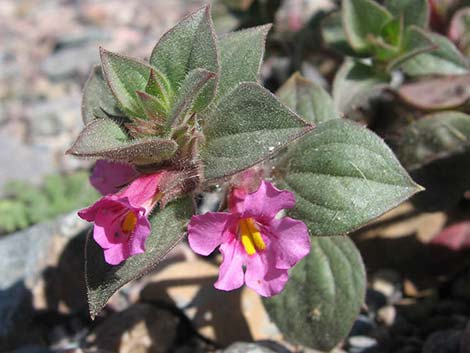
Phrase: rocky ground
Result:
[417,301]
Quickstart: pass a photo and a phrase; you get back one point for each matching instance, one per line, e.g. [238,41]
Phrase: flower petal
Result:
[266,202]
[263,277]
[108,177]
[139,236]
[290,242]
[207,231]
[142,189]
[116,254]
[231,270]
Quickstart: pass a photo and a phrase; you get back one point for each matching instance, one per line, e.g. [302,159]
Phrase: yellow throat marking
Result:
[250,236]
[129,222]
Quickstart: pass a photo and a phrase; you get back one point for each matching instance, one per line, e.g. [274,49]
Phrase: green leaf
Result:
[153,107]
[125,76]
[361,20]
[433,137]
[158,86]
[193,84]
[105,139]
[247,126]
[355,84]
[437,93]
[334,35]
[168,226]
[307,99]
[323,296]
[445,60]
[414,12]
[190,45]
[343,176]
[416,41]
[98,98]
[241,56]
[436,150]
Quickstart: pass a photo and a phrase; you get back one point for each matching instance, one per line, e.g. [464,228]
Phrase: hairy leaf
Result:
[445,60]
[413,12]
[361,20]
[436,151]
[105,139]
[416,41]
[436,136]
[241,55]
[307,99]
[334,35]
[356,83]
[445,92]
[190,45]
[104,280]
[193,84]
[125,76]
[343,176]
[247,126]
[97,98]
[323,296]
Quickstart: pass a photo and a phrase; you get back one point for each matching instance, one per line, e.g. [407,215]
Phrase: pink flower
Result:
[251,236]
[108,177]
[121,224]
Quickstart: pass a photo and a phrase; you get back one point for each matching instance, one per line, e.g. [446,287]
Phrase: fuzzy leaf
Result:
[247,126]
[153,107]
[445,60]
[361,20]
[440,93]
[105,139]
[436,136]
[190,45]
[104,280]
[416,41]
[307,99]
[436,150]
[334,35]
[98,98]
[324,294]
[343,176]
[158,86]
[356,83]
[193,84]
[125,76]
[414,12]
[241,55]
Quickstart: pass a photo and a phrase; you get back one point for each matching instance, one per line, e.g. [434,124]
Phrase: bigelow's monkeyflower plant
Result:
[196,116]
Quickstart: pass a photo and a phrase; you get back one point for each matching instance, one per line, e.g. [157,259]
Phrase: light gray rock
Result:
[260,347]
[72,61]
[22,162]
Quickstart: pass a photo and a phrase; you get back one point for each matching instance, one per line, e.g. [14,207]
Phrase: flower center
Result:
[250,236]
[129,222]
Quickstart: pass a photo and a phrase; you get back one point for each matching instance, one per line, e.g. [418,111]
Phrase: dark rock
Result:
[375,300]
[362,326]
[28,261]
[443,342]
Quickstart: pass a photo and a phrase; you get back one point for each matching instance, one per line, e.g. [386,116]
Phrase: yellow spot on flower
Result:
[250,236]
[129,222]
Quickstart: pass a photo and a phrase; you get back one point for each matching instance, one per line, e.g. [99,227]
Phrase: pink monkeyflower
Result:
[109,177]
[251,236]
[121,225]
